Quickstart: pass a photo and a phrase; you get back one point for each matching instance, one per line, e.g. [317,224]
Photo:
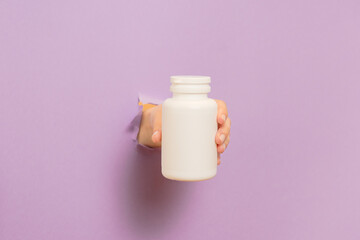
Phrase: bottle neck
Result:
[190,96]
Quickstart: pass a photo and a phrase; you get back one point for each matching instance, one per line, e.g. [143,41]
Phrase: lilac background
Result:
[70,72]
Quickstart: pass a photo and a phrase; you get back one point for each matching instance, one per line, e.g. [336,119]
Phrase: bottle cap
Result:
[190,84]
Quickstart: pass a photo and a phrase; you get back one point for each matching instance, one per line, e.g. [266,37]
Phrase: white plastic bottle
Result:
[188,148]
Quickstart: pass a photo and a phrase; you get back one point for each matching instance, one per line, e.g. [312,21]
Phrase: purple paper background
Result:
[70,73]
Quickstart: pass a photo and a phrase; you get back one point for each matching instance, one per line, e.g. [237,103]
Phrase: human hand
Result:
[150,127]
[222,137]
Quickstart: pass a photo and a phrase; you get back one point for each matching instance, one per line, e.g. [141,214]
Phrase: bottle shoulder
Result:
[207,103]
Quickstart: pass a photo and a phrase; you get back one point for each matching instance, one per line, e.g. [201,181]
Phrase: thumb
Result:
[156,124]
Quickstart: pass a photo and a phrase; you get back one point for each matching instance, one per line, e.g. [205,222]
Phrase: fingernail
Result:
[156,132]
[223,117]
[222,137]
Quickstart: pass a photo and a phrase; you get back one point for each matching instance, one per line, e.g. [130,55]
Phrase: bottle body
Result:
[189,126]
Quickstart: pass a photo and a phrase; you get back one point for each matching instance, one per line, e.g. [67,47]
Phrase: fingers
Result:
[223,132]
[222,112]
[221,148]
[156,137]
[227,141]
[222,138]
[156,124]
